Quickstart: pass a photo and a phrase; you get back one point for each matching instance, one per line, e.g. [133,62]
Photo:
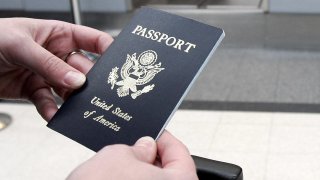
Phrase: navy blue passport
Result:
[138,83]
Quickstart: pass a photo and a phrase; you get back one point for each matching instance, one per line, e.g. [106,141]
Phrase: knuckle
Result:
[51,64]
[103,42]
[118,148]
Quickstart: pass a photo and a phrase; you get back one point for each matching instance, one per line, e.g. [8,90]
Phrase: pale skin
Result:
[32,64]
[31,60]
[138,162]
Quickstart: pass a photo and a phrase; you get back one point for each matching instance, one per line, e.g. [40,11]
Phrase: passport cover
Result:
[138,83]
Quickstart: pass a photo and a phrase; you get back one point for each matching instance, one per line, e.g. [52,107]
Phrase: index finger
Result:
[91,39]
[174,154]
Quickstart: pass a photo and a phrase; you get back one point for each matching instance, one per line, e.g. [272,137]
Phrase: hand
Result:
[138,162]
[31,59]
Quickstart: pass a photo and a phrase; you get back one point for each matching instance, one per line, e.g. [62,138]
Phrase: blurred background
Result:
[256,104]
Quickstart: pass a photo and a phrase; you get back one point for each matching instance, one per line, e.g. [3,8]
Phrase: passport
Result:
[139,81]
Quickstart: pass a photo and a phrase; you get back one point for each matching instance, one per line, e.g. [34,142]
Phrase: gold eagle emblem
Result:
[134,73]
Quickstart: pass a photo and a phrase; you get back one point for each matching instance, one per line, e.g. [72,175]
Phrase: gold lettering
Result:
[150,33]
[172,43]
[118,112]
[164,38]
[103,105]
[189,46]
[138,28]
[156,36]
[107,123]
[179,44]
[142,32]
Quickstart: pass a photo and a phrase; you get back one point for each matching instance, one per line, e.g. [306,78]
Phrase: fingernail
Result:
[74,79]
[145,141]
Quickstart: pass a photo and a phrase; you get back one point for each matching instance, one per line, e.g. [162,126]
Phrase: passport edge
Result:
[193,80]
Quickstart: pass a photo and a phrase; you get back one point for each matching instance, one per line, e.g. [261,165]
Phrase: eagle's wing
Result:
[113,76]
[125,68]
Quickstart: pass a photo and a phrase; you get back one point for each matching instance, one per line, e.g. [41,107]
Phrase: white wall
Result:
[11,4]
[294,6]
[63,5]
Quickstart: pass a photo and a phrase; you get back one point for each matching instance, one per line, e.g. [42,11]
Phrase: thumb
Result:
[53,69]
[145,149]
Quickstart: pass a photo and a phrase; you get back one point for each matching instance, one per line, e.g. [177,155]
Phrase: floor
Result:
[260,75]
[268,146]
